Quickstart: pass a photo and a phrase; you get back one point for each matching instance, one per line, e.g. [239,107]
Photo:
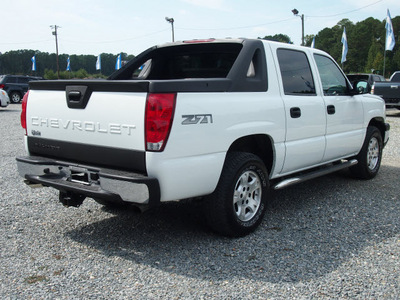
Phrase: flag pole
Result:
[384,61]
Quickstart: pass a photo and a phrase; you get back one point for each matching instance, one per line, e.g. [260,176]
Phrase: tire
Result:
[15,97]
[237,206]
[370,156]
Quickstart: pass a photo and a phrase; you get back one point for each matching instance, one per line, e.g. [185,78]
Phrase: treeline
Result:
[366,44]
[81,66]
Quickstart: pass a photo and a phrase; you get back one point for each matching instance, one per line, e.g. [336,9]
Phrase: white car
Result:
[4,99]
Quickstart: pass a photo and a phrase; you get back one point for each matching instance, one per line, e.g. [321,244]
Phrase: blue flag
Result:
[389,43]
[98,63]
[33,59]
[313,43]
[68,64]
[345,47]
[118,63]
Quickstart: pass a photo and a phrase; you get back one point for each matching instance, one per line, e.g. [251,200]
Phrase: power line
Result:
[196,29]
[22,43]
[120,40]
[347,12]
[235,28]
[281,21]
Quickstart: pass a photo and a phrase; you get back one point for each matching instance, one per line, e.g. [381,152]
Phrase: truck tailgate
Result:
[387,90]
[107,130]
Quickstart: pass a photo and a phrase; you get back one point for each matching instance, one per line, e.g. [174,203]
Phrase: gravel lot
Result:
[333,237]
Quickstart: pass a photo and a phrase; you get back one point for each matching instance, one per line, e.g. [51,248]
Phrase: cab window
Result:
[333,81]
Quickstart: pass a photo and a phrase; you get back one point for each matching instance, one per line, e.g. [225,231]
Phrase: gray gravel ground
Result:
[333,237]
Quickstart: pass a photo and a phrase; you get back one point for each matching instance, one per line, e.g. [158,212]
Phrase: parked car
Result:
[389,91]
[4,99]
[364,81]
[16,85]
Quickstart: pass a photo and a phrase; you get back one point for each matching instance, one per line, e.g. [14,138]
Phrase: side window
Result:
[296,72]
[11,80]
[333,81]
[376,78]
[23,80]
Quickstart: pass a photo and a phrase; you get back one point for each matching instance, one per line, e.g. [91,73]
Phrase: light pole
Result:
[171,20]
[55,34]
[296,13]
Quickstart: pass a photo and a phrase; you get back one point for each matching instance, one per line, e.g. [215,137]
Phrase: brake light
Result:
[158,120]
[23,113]
[199,41]
[2,86]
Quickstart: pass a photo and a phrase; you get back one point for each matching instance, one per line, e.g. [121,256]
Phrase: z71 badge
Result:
[197,119]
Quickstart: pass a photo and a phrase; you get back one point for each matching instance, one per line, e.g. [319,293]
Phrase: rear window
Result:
[395,77]
[185,61]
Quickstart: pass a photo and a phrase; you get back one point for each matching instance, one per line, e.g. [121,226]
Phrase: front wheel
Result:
[370,156]
[238,204]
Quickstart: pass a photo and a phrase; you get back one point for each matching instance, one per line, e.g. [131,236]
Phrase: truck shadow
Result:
[310,230]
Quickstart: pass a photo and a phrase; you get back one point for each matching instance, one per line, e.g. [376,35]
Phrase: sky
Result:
[132,26]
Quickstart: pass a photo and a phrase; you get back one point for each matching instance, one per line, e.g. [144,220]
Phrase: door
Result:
[305,112]
[344,129]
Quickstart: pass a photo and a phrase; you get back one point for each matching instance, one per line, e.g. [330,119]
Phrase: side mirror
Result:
[359,87]
[361,90]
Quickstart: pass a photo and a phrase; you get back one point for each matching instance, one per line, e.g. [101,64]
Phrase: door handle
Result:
[330,109]
[77,96]
[74,96]
[295,112]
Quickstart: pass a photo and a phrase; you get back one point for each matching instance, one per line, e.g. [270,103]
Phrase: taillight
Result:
[373,89]
[199,41]
[158,120]
[2,86]
[23,113]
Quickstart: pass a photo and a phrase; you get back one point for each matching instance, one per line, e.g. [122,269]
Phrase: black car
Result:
[16,86]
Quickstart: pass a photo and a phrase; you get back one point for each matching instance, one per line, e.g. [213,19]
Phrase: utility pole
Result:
[296,13]
[171,20]
[55,34]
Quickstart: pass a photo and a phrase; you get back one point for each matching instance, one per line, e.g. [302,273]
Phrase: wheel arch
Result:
[378,123]
[258,144]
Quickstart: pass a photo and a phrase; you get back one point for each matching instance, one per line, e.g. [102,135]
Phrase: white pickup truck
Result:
[223,121]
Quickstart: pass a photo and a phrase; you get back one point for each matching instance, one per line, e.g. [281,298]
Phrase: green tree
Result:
[283,38]
[375,58]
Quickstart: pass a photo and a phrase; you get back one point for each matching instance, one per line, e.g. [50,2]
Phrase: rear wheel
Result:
[15,97]
[370,156]
[238,204]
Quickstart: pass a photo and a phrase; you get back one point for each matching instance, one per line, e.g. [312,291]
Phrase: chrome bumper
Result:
[94,182]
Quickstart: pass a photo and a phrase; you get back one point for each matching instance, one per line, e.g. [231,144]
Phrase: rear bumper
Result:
[95,182]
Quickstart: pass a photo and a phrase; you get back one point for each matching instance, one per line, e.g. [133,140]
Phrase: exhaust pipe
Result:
[33,185]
